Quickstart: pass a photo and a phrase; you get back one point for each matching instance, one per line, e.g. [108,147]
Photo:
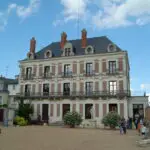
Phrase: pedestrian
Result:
[143,129]
[121,126]
[124,126]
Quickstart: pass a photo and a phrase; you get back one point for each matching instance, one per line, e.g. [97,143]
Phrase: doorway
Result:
[138,110]
[45,111]
[88,111]
[1,115]
[65,109]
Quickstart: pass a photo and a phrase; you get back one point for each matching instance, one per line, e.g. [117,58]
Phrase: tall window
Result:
[46,89]
[46,71]
[14,86]
[89,88]
[67,70]
[1,101]
[112,87]
[1,86]
[67,51]
[28,72]
[66,90]
[89,68]
[112,66]
[27,89]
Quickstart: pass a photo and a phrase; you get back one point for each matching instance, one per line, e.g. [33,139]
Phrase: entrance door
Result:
[88,111]
[66,108]
[113,107]
[45,112]
[1,115]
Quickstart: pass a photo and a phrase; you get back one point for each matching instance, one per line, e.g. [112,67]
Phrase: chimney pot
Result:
[63,39]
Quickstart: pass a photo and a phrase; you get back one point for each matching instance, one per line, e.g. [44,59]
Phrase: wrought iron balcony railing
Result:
[112,72]
[47,75]
[28,77]
[89,73]
[66,74]
[75,94]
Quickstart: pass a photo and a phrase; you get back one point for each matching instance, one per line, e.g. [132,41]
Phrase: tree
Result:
[111,119]
[24,110]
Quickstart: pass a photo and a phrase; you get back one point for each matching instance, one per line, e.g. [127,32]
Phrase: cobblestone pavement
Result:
[57,138]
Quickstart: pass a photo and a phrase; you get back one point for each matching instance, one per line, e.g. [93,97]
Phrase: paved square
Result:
[56,138]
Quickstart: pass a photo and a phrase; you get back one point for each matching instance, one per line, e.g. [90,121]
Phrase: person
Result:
[143,130]
[121,126]
[124,126]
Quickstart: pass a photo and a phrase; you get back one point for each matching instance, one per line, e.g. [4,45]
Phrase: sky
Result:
[125,22]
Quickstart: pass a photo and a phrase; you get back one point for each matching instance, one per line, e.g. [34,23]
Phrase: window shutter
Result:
[33,89]
[51,110]
[96,66]
[74,87]
[96,86]
[81,109]
[74,107]
[59,68]
[38,109]
[121,85]
[120,61]
[40,70]
[122,109]
[104,86]
[34,70]
[59,88]
[81,67]
[74,68]
[104,109]
[104,66]
[40,89]
[52,88]
[81,87]
[96,110]
[58,110]
[53,70]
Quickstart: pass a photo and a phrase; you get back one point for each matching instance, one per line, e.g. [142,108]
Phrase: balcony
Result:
[112,72]
[75,94]
[66,74]
[47,75]
[28,77]
[89,74]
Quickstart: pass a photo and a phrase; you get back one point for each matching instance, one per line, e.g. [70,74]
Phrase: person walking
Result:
[121,126]
[124,126]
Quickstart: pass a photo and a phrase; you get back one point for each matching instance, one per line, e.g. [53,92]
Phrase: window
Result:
[14,86]
[46,71]
[112,87]
[89,88]
[46,89]
[89,68]
[1,86]
[66,90]
[112,66]
[67,51]
[28,72]
[27,89]
[67,70]
[1,100]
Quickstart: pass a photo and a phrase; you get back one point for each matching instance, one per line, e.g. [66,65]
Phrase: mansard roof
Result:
[100,45]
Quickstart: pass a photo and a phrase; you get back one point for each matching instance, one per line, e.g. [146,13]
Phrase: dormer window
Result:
[68,50]
[89,50]
[48,54]
[111,48]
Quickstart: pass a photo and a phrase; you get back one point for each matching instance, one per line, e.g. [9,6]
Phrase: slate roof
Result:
[100,45]
[8,81]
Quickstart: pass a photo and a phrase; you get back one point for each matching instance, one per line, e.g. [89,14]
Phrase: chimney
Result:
[32,45]
[84,38]
[63,39]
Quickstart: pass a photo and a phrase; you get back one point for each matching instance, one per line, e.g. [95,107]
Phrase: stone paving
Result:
[58,138]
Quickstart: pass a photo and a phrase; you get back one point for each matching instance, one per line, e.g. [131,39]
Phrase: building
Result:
[6,96]
[76,75]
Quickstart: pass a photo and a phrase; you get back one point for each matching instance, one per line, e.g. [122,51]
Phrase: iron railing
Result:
[28,77]
[75,94]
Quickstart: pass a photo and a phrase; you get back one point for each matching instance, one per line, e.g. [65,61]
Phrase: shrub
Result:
[20,121]
[72,119]
[111,119]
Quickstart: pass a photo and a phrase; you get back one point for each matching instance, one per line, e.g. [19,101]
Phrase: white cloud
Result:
[145,87]
[108,13]
[21,11]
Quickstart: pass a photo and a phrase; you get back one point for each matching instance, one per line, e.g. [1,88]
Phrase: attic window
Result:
[89,50]
[30,55]
[111,48]
[67,52]
[48,54]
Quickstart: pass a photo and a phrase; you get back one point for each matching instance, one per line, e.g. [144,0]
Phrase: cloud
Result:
[21,11]
[145,87]
[108,13]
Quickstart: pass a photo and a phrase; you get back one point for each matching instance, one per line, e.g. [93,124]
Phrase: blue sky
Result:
[125,22]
